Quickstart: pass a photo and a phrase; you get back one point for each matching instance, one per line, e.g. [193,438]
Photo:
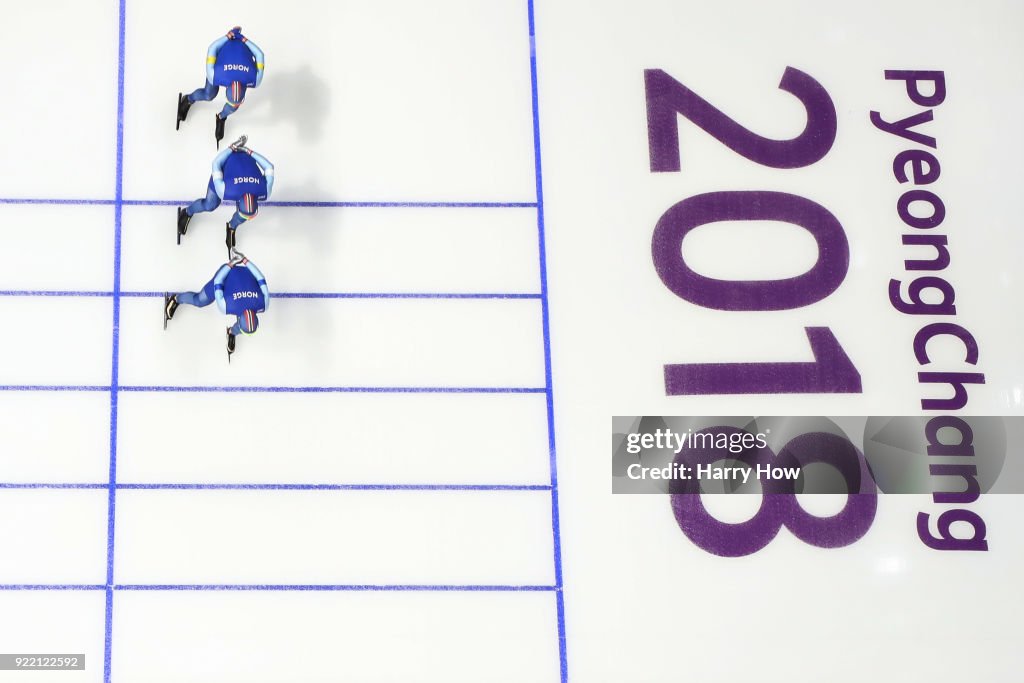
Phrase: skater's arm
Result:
[258,54]
[211,56]
[260,280]
[268,170]
[218,172]
[218,287]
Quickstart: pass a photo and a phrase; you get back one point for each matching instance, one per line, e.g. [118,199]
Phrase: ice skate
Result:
[184,104]
[183,219]
[170,306]
[231,343]
[229,238]
[218,131]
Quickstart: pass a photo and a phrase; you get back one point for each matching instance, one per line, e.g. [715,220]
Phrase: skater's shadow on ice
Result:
[300,98]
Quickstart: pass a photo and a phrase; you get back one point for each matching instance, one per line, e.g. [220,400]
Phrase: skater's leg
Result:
[235,96]
[204,94]
[198,299]
[246,211]
[205,297]
[208,203]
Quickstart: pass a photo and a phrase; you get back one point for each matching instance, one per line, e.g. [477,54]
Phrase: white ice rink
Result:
[384,484]
[404,476]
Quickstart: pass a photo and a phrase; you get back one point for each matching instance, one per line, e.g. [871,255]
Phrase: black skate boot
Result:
[229,238]
[218,130]
[231,343]
[184,104]
[170,306]
[183,219]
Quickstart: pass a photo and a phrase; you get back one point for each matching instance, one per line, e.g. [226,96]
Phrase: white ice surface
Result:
[269,637]
[332,439]
[376,101]
[407,101]
[60,117]
[362,250]
[432,105]
[403,538]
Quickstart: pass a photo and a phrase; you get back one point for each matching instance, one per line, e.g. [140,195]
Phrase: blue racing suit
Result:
[238,287]
[241,175]
[235,62]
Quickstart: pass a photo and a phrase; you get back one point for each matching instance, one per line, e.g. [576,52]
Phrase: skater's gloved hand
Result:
[236,257]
